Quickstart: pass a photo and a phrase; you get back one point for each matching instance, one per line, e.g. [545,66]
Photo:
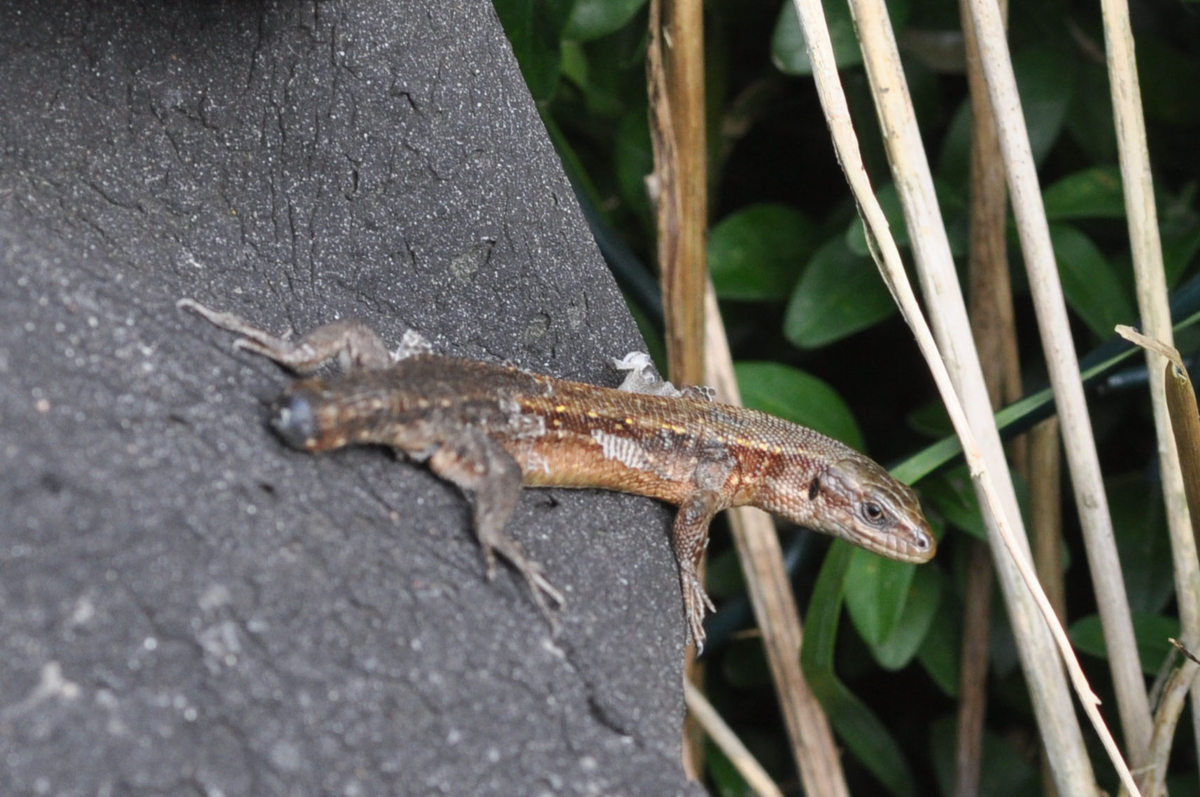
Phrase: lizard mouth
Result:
[917,546]
[912,544]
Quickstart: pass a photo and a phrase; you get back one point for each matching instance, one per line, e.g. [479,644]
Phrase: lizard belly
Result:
[603,460]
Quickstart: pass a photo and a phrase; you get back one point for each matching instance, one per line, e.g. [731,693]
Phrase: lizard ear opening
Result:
[814,488]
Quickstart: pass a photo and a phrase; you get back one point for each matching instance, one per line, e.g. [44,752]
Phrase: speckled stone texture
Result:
[188,607]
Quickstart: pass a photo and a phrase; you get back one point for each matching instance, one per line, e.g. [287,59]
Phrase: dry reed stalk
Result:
[675,82]
[994,329]
[1142,216]
[675,78]
[936,267]
[813,747]
[723,737]
[1056,719]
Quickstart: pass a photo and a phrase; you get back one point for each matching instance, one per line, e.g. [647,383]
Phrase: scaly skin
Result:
[489,428]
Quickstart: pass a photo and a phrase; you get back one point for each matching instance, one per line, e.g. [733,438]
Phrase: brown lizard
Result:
[489,428]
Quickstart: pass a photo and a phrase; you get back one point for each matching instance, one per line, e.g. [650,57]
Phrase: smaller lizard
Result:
[489,428]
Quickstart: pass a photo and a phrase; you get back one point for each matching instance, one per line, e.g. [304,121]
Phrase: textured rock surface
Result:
[188,607]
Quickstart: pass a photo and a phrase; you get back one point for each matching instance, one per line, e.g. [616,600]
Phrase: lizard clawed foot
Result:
[543,592]
[354,345]
[227,321]
[253,339]
[696,604]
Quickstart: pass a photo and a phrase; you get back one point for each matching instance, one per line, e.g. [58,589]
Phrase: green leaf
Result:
[909,632]
[840,293]
[1150,630]
[1143,544]
[1168,79]
[865,736]
[893,211]
[1090,194]
[953,495]
[940,650]
[1178,252]
[788,51]
[612,83]
[1004,769]
[1046,80]
[949,202]
[593,19]
[802,398]
[758,252]
[1179,224]
[1090,115]
[930,419]
[634,159]
[954,162]
[535,28]
[574,64]
[876,594]
[1089,281]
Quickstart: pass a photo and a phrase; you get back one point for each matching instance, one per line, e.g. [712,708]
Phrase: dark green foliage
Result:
[798,397]
[818,340]
[756,253]
[535,28]
[839,293]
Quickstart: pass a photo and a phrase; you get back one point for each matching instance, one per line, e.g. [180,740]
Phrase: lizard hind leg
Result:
[355,345]
[480,466]
[689,538]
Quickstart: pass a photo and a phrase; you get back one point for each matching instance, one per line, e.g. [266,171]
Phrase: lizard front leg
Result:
[690,535]
[480,466]
[689,538]
[356,345]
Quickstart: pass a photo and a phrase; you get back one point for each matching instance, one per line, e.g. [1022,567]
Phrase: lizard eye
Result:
[873,513]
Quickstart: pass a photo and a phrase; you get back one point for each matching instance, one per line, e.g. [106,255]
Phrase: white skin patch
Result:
[640,377]
[623,450]
[520,425]
[412,344]
[535,461]
[528,426]
[509,406]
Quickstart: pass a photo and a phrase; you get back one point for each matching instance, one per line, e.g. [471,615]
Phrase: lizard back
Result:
[562,433]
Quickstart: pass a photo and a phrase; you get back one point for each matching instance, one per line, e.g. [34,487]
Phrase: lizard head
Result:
[319,414]
[294,419]
[850,497]
[857,500]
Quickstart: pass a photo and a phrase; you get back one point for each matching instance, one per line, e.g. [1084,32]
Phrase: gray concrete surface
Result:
[187,607]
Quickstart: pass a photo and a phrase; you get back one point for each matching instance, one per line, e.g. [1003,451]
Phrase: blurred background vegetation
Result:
[818,340]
